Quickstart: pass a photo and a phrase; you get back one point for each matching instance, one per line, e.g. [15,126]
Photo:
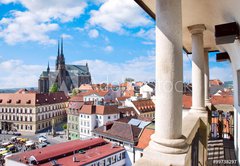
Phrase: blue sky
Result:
[116,38]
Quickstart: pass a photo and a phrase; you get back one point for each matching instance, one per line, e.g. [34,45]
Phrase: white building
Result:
[98,96]
[147,90]
[93,116]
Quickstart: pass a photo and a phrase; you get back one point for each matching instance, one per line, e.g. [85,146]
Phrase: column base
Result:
[165,152]
[168,146]
[153,157]
[207,102]
[198,109]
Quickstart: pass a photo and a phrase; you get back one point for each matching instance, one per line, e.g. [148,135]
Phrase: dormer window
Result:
[9,101]
[29,102]
[18,101]
[1,100]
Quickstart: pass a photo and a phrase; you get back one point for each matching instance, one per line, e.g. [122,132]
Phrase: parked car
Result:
[42,145]
[17,134]
[42,139]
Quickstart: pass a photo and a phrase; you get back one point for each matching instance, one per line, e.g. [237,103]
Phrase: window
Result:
[25,118]
[123,155]
[30,110]
[26,127]
[30,119]
[21,126]
[109,117]
[108,161]
[30,127]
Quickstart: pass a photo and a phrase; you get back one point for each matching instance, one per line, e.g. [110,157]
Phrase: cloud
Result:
[108,49]
[66,36]
[140,68]
[117,16]
[38,20]
[147,34]
[93,33]
[52,58]
[222,73]
[18,74]
[7,1]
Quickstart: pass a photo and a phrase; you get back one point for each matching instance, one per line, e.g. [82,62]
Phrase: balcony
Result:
[190,26]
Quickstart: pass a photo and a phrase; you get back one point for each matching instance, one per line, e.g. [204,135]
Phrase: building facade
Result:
[91,117]
[66,77]
[74,106]
[30,111]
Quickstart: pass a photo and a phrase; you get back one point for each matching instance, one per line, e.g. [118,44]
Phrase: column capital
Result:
[196,29]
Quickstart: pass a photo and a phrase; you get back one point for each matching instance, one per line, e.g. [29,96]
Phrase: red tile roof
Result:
[89,156]
[187,101]
[215,100]
[88,109]
[106,109]
[99,109]
[77,98]
[122,98]
[128,93]
[95,149]
[215,82]
[145,138]
[85,87]
[97,92]
[58,150]
[144,106]
[120,130]
[32,99]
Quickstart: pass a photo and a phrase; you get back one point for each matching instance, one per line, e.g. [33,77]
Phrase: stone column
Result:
[206,76]
[198,99]
[167,142]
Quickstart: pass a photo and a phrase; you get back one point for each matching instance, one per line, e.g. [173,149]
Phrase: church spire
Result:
[58,56]
[58,49]
[62,46]
[48,68]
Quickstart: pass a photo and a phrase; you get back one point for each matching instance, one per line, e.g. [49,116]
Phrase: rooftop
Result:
[32,99]
[120,130]
[63,153]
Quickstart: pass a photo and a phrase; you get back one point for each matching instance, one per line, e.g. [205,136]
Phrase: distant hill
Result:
[13,90]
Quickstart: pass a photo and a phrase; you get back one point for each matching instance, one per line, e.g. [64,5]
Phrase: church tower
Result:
[60,66]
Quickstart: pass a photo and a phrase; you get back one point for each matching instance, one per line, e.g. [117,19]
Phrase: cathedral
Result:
[66,77]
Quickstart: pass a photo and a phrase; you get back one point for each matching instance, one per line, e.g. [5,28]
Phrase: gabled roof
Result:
[85,87]
[120,131]
[106,109]
[88,109]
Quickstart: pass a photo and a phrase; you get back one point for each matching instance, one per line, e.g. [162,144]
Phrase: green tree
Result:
[64,126]
[75,92]
[53,88]
[129,79]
